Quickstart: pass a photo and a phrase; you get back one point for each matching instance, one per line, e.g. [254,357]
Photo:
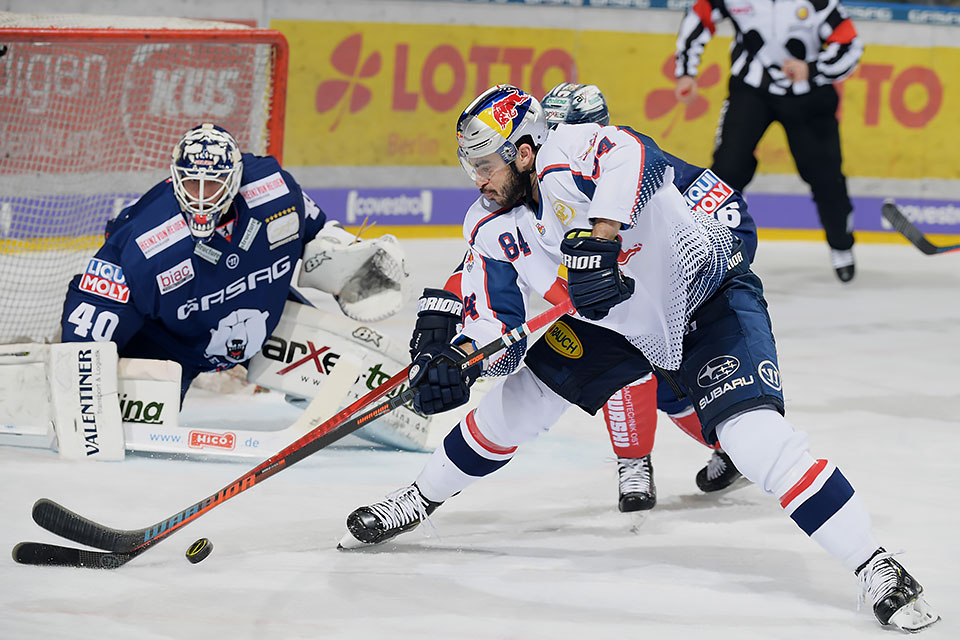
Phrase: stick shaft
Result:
[61,521]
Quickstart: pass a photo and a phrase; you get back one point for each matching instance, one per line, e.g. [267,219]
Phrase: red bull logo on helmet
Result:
[502,113]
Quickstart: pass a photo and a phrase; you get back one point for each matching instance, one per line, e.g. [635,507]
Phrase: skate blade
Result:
[348,542]
[637,519]
[914,616]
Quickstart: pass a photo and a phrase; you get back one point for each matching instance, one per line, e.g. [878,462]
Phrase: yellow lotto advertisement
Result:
[371,94]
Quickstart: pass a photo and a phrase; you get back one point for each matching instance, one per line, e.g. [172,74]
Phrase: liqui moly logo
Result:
[106,280]
[707,193]
[208,439]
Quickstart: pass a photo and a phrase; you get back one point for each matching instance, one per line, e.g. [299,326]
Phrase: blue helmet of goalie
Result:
[572,103]
[492,127]
[206,172]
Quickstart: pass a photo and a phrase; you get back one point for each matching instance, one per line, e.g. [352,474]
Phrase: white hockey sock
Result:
[465,456]
[814,493]
[514,411]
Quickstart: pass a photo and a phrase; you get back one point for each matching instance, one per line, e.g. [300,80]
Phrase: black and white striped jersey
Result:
[768,32]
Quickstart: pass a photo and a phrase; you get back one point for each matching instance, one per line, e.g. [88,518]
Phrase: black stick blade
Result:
[59,520]
[902,224]
[52,555]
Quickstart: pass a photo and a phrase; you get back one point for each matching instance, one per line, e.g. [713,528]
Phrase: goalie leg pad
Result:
[25,407]
[305,348]
[85,400]
[82,399]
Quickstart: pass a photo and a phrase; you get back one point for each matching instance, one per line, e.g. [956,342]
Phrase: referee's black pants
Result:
[813,133]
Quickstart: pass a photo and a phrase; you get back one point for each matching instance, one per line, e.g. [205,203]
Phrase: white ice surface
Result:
[538,550]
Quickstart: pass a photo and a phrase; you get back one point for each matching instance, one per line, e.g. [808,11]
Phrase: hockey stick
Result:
[900,222]
[120,546]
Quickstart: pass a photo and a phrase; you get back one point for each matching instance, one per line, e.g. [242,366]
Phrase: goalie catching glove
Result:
[594,279]
[367,278]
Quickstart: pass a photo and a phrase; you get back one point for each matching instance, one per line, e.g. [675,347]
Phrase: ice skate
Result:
[637,489]
[843,264]
[399,512]
[720,473]
[897,597]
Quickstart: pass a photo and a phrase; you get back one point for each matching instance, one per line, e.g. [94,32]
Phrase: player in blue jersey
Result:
[631,413]
[199,268]
[655,285]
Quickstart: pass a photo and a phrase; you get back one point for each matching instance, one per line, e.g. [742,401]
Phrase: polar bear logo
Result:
[239,335]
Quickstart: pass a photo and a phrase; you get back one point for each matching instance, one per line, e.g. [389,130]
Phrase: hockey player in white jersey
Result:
[654,287]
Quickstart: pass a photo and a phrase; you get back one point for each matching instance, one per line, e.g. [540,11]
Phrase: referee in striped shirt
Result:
[785,57]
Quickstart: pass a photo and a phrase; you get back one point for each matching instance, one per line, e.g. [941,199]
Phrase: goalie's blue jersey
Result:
[158,293]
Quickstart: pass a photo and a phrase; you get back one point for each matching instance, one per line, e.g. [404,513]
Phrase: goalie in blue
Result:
[199,268]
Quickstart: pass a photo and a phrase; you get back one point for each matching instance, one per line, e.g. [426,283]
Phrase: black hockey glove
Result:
[439,316]
[594,279]
[439,382]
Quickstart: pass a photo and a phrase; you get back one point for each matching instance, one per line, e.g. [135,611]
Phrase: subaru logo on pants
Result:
[717,370]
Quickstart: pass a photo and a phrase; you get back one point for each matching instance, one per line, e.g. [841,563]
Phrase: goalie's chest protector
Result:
[214,303]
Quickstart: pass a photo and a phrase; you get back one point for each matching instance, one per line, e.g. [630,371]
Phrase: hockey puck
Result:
[199,550]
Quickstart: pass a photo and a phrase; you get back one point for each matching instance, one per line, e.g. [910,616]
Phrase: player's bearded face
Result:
[503,186]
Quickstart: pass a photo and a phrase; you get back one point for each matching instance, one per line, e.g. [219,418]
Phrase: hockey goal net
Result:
[91,109]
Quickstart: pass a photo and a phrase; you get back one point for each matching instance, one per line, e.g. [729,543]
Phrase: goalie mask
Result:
[206,171]
[491,128]
[572,103]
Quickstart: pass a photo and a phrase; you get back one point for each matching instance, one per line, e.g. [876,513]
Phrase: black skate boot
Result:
[400,511]
[719,473]
[637,489]
[897,597]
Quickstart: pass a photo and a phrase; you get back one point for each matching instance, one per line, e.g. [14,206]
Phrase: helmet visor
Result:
[482,168]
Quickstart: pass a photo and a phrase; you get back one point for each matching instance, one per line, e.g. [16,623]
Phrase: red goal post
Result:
[90,109]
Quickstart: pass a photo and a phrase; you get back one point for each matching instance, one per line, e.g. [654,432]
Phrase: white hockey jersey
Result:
[676,257]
